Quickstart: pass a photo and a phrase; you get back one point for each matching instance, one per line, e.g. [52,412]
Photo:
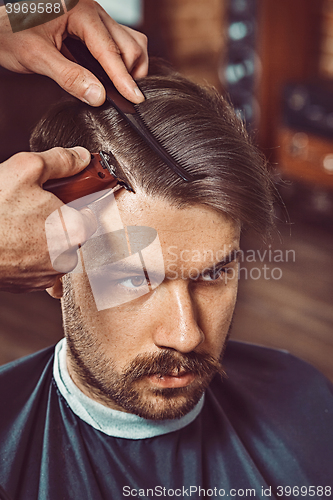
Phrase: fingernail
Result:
[94,95]
[138,93]
[82,152]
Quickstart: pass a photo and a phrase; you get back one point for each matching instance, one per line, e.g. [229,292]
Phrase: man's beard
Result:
[99,376]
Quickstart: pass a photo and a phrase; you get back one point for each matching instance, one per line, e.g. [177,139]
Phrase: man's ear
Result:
[56,290]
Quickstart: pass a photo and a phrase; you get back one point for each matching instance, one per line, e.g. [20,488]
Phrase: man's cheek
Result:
[82,293]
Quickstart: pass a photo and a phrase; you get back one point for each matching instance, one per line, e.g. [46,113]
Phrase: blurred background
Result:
[275,61]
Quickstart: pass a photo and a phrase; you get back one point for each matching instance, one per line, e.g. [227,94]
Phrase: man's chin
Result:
[159,403]
[166,407]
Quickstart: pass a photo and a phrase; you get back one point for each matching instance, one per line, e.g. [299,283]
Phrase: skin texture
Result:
[25,264]
[121,51]
[155,355]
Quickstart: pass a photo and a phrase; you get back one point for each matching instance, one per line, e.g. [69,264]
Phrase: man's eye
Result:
[133,282]
[214,275]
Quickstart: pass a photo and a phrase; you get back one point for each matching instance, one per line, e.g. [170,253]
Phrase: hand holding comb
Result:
[88,178]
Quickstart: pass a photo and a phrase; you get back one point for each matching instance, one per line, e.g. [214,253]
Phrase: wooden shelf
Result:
[305,157]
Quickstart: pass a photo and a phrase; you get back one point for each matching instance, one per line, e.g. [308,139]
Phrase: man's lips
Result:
[171,381]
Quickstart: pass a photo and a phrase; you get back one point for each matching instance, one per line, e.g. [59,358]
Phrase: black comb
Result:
[124,107]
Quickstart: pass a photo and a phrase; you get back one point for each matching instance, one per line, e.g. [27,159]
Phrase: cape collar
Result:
[112,422]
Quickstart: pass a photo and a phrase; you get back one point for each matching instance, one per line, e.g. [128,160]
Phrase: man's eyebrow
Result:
[232,256]
[120,267]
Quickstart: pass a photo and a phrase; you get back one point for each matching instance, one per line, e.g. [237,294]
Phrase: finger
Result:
[66,231]
[113,64]
[99,40]
[72,77]
[140,70]
[66,261]
[139,66]
[132,46]
[29,283]
[37,168]
[62,162]
[56,289]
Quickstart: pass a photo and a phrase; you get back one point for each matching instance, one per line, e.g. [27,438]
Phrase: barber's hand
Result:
[120,50]
[25,263]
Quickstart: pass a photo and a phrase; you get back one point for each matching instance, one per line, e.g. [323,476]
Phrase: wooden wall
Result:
[189,33]
[193,36]
[288,46]
[326,46]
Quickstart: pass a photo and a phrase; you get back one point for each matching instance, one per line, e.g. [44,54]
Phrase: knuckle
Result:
[66,157]
[137,52]
[139,46]
[113,47]
[70,78]
[143,39]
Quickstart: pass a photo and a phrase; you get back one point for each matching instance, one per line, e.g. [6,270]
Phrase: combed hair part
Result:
[196,125]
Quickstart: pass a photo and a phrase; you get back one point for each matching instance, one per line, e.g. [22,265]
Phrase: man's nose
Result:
[177,323]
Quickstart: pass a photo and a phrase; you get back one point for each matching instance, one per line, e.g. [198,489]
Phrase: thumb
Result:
[62,162]
[72,77]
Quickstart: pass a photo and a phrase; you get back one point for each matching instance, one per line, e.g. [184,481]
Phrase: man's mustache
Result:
[167,362]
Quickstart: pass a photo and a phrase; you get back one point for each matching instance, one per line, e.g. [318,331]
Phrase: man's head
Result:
[154,354]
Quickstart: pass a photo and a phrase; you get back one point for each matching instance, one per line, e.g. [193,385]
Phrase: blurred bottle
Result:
[241,68]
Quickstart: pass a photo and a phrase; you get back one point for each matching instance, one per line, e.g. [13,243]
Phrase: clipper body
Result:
[96,177]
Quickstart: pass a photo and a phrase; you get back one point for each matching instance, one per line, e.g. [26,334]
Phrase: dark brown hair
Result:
[196,125]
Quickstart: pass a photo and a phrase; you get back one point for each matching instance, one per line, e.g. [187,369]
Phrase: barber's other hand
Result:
[25,263]
[120,50]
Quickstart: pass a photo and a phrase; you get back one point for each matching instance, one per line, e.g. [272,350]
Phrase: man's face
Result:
[155,355]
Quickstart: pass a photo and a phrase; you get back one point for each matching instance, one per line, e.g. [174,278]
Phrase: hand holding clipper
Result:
[24,206]
[99,175]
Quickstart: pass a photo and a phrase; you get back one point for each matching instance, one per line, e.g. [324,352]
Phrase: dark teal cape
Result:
[270,424]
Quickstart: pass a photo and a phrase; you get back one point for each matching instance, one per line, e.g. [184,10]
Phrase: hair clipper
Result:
[97,176]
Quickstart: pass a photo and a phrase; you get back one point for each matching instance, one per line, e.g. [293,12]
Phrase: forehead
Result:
[194,228]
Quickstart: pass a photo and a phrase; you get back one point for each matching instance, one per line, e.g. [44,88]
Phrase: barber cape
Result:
[265,431]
